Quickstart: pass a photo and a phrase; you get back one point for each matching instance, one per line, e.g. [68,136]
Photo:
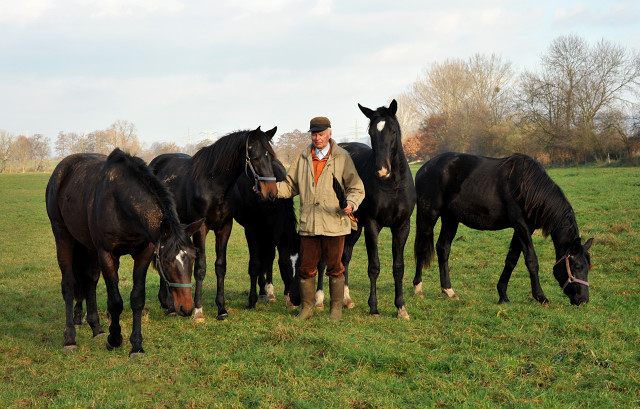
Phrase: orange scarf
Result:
[318,164]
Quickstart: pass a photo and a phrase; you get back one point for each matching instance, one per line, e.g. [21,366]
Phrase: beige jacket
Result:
[320,213]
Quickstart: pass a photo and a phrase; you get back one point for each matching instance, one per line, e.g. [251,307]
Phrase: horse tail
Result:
[423,246]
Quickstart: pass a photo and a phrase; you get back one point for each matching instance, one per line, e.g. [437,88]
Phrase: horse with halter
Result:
[494,194]
[101,208]
[203,186]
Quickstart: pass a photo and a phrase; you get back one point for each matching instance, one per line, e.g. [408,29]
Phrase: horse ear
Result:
[366,111]
[393,107]
[271,132]
[588,244]
[193,227]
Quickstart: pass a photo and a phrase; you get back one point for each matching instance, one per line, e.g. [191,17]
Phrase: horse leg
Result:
[371,233]
[267,255]
[222,238]
[287,268]
[93,319]
[137,299]
[109,266]
[254,266]
[64,252]
[319,300]
[531,261]
[443,249]
[399,239]
[347,253]
[423,245]
[199,270]
[515,248]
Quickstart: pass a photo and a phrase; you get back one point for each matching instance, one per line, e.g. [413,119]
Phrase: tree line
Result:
[582,105]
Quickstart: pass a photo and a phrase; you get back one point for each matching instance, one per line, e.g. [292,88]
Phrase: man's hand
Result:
[348,210]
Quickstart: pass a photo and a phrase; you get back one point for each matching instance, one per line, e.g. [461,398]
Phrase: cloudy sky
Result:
[184,70]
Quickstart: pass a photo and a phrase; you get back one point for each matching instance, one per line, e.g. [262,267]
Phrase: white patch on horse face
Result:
[381,125]
[294,259]
[383,173]
[180,258]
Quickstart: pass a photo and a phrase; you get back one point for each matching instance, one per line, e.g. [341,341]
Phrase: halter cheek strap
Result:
[163,276]
[570,278]
[256,178]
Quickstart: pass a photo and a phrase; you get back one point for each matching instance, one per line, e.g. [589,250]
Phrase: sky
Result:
[183,71]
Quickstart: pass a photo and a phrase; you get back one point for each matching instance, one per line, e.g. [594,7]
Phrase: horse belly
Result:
[479,213]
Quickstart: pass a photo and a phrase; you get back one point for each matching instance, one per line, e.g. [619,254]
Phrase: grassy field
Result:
[467,353]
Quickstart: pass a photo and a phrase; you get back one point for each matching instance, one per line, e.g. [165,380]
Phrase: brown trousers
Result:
[312,248]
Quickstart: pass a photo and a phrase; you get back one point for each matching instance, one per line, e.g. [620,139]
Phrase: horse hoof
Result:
[70,348]
[319,306]
[450,293]
[402,313]
[349,304]
[222,316]
[271,298]
[134,355]
[109,346]
[100,334]
[198,315]
[417,290]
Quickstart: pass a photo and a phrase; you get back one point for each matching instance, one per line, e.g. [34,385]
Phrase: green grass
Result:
[467,353]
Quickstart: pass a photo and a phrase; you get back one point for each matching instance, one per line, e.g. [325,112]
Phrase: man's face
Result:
[321,139]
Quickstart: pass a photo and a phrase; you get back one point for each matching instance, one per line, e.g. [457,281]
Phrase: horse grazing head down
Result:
[572,271]
[385,134]
[259,155]
[174,259]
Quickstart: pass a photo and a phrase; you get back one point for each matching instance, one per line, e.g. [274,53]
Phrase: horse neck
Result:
[565,233]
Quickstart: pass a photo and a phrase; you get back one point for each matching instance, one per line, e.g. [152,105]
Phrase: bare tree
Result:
[39,151]
[470,96]
[577,83]
[21,151]
[6,142]
[290,145]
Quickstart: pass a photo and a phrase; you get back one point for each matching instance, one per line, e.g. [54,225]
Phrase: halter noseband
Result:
[161,271]
[570,278]
[256,178]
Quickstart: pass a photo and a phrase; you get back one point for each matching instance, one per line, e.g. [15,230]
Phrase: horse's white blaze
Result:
[180,258]
[294,259]
[381,125]
[383,173]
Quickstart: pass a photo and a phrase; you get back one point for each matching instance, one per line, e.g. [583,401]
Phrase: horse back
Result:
[70,195]
[472,189]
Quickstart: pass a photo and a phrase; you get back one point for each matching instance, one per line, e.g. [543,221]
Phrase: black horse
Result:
[389,201]
[267,225]
[495,194]
[202,186]
[100,209]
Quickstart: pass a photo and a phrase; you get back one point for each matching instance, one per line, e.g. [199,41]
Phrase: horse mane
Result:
[223,154]
[153,185]
[544,203]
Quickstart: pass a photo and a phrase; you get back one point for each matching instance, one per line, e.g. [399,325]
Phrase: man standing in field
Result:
[323,224]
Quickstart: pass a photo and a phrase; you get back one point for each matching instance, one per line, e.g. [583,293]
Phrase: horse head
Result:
[259,155]
[174,259]
[572,271]
[384,131]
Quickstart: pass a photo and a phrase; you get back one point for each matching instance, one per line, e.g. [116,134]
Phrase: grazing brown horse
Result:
[494,194]
[101,208]
[203,185]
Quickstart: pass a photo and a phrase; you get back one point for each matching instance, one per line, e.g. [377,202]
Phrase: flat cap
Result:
[319,123]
